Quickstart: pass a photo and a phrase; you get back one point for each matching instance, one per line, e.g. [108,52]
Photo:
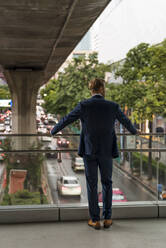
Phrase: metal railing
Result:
[49,169]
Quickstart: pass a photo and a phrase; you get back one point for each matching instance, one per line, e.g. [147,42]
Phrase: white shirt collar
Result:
[97,94]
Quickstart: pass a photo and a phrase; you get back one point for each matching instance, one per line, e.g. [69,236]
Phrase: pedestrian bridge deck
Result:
[128,233]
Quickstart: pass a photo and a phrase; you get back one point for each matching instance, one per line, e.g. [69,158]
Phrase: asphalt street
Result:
[132,190]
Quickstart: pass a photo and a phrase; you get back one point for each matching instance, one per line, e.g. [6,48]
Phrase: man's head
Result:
[97,86]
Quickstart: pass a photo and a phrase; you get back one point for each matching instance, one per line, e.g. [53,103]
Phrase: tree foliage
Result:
[144,77]
[144,88]
[4,92]
[136,60]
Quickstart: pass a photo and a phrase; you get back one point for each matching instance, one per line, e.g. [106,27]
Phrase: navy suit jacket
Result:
[97,117]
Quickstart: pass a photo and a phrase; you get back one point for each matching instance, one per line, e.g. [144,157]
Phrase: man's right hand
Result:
[138,132]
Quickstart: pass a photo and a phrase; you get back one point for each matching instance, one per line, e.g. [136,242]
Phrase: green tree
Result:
[144,89]
[31,162]
[63,94]
[4,92]
[114,92]
[136,60]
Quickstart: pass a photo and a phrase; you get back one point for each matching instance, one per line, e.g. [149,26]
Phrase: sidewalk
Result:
[156,144]
[144,233]
[151,185]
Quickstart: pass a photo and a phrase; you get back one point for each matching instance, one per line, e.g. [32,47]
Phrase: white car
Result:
[2,155]
[42,130]
[8,129]
[7,123]
[69,186]
[78,164]
[2,127]
[46,138]
[50,117]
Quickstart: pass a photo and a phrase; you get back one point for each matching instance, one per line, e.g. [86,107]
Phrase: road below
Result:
[132,190]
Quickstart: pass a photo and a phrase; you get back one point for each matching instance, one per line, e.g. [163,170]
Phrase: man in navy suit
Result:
[97,146]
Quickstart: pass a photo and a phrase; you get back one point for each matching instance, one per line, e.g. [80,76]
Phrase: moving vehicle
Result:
[78,164]
[2,127]
[7,122]
[51,154]
[45,122]
[117,196]
[49,127]
[63,142]
[51,122]
[42,130]
[68,186]
[2,155]
[163,195]
[46,138]
[8,129]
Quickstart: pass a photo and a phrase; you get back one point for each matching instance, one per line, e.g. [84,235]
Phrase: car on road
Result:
[162,196]
[2,155]
[49,127]
[52,122]
[7,123]
[46,138]
[51,154]
[117,196]
[42,130]
[45,122]
[78,164]
[68,186]
[8,129]
[62,142]
[2,127]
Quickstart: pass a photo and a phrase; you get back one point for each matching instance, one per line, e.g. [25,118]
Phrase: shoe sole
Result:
[95,227]
[98,227]
[107,226]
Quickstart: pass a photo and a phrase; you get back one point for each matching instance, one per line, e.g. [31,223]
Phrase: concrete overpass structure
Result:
[36,36]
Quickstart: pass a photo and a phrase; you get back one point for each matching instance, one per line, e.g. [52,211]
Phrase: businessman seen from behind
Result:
[97,146]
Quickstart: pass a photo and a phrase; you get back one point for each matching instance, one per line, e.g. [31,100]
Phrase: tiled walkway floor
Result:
[144,233]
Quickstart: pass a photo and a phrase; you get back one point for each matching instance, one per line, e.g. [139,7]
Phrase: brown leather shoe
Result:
[96,225]
[107,223]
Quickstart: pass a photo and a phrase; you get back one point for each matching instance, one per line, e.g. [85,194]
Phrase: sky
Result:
[126,23]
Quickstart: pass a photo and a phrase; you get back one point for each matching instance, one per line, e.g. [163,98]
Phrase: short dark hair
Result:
[96,84]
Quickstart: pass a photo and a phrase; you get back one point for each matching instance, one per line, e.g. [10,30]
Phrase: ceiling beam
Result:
[60,34]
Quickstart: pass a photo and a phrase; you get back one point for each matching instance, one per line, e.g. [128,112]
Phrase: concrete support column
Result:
[24,87]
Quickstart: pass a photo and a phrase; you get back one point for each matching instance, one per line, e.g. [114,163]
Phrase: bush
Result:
[25,194]
[23,198]
[136,164]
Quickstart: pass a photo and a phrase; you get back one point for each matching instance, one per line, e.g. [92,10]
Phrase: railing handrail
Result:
[73,134]
[75,150]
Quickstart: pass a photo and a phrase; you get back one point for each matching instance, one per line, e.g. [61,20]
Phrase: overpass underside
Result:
[36,36]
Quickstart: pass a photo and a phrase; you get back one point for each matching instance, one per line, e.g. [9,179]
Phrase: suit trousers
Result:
[92,163]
